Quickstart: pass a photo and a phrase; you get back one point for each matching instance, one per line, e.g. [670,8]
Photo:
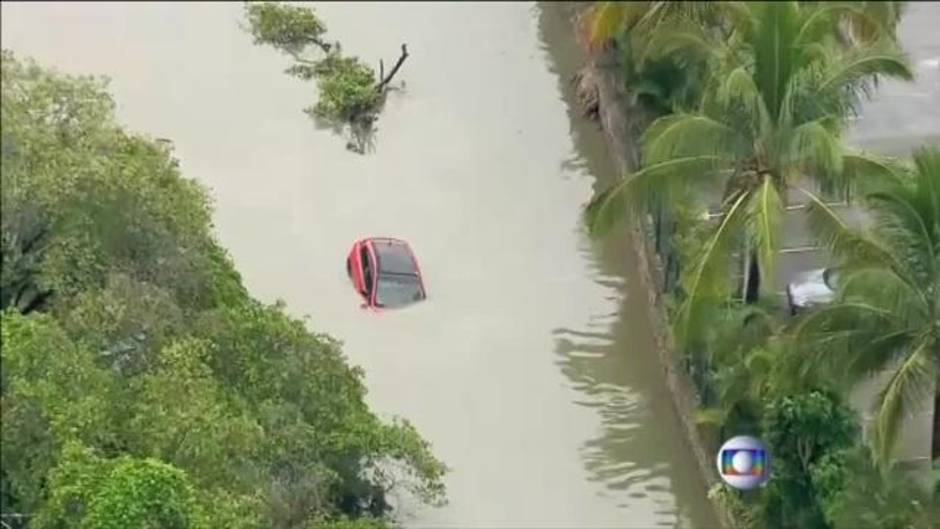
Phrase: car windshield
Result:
[396,290]
[394,258]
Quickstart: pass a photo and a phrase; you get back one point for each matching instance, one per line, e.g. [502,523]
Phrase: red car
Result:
[385,272]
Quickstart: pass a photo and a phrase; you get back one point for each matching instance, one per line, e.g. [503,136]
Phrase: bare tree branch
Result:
[385,80]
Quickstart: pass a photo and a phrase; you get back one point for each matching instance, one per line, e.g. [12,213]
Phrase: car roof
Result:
[393,256]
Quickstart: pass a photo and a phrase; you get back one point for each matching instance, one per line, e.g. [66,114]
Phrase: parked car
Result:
[385,273]
[812,288]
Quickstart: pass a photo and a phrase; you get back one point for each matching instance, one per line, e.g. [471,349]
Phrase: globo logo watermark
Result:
[744,462]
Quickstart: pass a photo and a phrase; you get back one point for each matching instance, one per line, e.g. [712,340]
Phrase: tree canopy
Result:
[771,113]
[141,383]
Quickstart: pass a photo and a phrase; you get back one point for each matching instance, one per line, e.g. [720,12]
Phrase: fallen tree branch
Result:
[384,82]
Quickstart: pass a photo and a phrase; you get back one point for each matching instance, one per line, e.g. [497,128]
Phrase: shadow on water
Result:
[611,363]
[359,133]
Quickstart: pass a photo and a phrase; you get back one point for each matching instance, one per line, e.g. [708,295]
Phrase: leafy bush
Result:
[347,89]
[854,494]
[143,493]
[801,431]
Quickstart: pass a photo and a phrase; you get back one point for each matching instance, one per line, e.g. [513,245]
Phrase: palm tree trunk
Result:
[752,284]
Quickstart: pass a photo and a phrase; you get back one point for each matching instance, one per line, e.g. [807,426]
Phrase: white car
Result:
[812,288]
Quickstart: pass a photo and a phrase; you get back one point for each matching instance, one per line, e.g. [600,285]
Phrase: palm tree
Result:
[660,83]
[744,350]
[604,21]
[887,312]
[773,113]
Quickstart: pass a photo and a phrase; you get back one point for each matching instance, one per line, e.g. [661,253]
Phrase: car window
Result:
[366,270]
[396,290]
[394,258]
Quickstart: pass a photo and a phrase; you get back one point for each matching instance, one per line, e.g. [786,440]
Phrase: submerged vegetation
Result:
[141,385]
[745,107]
[350,92]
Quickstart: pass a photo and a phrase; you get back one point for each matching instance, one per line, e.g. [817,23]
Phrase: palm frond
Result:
[862,64]
[602,22]
[871,21]
[846,342]
[874,352]
[764,217]
[885,288]
[683,135]
[847,244]
[870,170]
[611,205]
[739,17]
[815,147]
[738,88]
[819,23]
[905,228]
[905,392]
[684,40]
[927,176]
[774,54]
[708,279]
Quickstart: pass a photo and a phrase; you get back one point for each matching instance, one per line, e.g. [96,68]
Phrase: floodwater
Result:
[530,367]
[904,115]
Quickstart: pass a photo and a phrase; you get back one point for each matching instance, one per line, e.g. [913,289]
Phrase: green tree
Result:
[888,301]
[604,21]
[140,383]
[143,493]
[328,440]
[742,368]
[82,199]
[657,83]
[350,92]
[853,494]
[772,114]
[664,83]
[77,475]
[800,431]
[181,414]
[52,393]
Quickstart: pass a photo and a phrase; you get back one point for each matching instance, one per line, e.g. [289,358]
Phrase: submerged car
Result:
[385,273]
[812,288]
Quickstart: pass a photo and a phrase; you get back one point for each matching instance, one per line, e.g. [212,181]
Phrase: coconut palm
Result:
[771,115]
[603,21]
[660,83]
[887,311]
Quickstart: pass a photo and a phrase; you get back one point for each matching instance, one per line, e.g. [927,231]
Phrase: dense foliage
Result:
[755,107]
[769,117]
[888,305]
[141,384]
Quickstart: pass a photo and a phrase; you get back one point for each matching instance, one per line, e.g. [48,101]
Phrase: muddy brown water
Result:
[530,367]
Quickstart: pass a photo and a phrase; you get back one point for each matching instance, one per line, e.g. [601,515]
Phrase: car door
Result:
[354,266]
